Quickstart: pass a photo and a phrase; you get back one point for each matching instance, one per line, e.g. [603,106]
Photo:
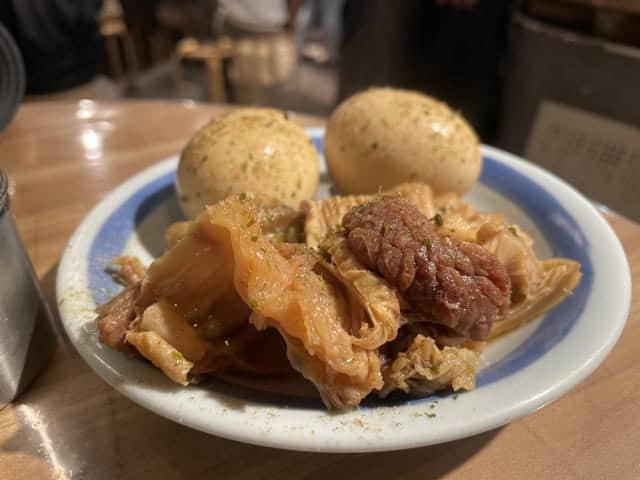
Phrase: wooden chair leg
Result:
[178,75]
[113,54]
[215,77]
[130,52]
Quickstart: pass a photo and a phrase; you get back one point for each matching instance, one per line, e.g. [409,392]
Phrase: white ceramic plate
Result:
[520,372]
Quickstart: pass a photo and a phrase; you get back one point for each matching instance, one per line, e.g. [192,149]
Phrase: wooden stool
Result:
[117,39]
[211,54]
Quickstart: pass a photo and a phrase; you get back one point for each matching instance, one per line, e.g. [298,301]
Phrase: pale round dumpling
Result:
[247,150]
[382,137]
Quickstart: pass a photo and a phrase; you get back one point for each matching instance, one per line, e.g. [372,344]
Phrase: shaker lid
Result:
[4,192]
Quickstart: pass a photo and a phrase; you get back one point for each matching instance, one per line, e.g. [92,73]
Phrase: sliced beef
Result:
[456,284]
[115,316]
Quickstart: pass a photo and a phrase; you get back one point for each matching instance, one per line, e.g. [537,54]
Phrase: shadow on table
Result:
[425,463]
[189,453]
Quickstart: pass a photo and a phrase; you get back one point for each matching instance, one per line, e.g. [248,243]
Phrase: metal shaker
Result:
[26,334]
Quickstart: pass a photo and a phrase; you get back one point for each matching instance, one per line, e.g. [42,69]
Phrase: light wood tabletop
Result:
[62,158]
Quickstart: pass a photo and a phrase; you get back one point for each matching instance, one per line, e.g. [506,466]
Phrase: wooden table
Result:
[62,158]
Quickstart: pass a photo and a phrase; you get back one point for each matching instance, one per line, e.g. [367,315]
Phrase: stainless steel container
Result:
[26,334]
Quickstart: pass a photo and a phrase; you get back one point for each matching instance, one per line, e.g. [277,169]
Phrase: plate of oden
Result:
[383,284]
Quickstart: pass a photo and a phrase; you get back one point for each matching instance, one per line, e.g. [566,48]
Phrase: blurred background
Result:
[554,80]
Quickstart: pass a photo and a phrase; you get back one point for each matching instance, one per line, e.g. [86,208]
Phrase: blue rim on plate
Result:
[550,217]
[523,370]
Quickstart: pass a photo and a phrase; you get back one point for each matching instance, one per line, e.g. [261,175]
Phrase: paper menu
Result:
[597,155]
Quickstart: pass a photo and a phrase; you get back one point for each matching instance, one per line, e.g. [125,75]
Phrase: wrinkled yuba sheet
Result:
[234,294]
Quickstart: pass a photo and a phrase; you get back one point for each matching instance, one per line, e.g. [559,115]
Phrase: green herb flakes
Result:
[338,229]
[279,235]
[324,251]
[437,219]
[177,357]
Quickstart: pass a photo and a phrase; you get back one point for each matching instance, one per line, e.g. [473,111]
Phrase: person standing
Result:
[59,41]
